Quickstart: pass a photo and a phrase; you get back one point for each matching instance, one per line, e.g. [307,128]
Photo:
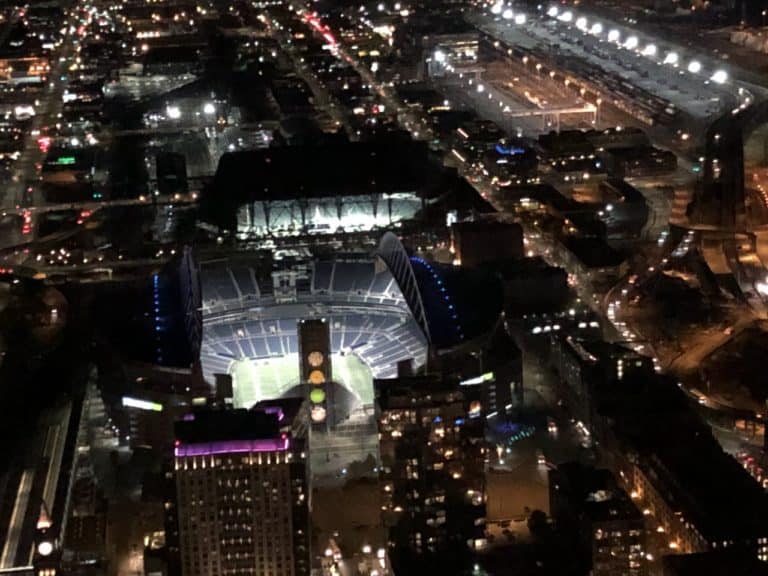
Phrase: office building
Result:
[242,491]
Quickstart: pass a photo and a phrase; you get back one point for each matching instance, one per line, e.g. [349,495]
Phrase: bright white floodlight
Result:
[173,112]
[631,43]
[650,50]
[596,29]
[671,58]
[613,36]
[720,77]
[694,67]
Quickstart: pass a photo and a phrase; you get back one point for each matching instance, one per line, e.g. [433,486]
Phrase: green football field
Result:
[255,380]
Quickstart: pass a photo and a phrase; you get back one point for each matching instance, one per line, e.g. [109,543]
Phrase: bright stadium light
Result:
[520,19]
[694,67]
[671,58]
[614,35]
[497,8]
[720,77]
[480,88]
[566,16]
[209,108]
[650,50]
[173,112]
[596,29]
[508,14]
[631,43]
[552,12]
[439,56]
[581,23]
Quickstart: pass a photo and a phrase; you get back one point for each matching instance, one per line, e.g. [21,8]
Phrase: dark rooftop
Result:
[594,493]
[721,563]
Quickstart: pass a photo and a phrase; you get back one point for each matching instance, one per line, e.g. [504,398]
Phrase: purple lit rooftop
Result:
[279,444]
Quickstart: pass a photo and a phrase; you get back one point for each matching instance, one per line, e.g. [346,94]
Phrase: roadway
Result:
[27,168]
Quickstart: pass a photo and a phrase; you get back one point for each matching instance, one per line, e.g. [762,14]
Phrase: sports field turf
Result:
[255,380]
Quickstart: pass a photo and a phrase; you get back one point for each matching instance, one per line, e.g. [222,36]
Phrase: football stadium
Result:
[381,309]
[250,324]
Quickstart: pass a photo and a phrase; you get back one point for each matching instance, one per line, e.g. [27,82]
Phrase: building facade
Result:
[432,451]
[242,492]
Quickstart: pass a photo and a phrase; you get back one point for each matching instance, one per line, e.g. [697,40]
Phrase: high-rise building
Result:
[432,451]
[242,491]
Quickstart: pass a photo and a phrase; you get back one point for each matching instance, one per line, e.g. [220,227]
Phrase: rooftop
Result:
[594,493]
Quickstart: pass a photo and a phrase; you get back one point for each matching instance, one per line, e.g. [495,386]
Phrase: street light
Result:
[173,112]
[719,77]
[694,67]
[650,50]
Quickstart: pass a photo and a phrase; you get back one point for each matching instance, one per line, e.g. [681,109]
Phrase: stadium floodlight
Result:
[581,23]
[508,14]
[173,112]
[671,58]
[553,12]
[694,67]
[520,19]
[631,43]
[209,108]
[720,77]
[650,50]
[480,88]
[566,16]
[614,35]
[596,29]
[497,8]
[439,56]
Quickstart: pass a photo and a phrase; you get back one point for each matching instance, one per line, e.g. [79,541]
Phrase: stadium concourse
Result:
[250,323]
